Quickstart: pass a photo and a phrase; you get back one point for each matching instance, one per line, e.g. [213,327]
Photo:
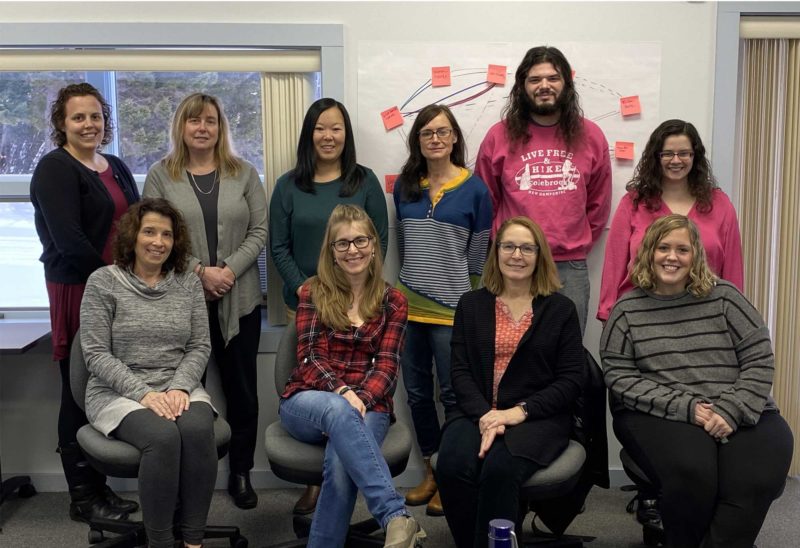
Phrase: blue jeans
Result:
[425,345]
[575,279]
[353,462]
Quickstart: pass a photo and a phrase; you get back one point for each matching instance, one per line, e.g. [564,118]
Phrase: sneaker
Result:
[403,532]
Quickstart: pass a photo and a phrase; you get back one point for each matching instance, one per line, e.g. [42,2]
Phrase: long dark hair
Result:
[416,167]
[646,181]
[517,112]
[303,173]
[58,112]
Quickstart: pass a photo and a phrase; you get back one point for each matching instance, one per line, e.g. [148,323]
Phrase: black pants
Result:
[238,374]
[179,464]
[71,418]
[712,491]
[475,491]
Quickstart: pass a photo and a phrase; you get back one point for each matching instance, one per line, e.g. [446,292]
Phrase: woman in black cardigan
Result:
[517,369]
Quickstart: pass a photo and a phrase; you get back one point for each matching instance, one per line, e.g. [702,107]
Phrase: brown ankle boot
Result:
[307,503]
[423,492]
[434,507]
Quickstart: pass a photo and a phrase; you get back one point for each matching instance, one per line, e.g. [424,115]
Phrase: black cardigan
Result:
[546,371]
[73,214]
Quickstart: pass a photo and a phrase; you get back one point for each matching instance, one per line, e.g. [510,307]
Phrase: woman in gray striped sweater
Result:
[689,364]
[144,333]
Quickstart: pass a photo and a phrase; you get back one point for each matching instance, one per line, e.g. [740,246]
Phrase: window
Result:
[142,106]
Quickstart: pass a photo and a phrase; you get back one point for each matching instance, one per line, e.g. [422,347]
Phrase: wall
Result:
[686,31]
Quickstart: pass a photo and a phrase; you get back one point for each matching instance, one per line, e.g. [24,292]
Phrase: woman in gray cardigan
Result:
[225,207]
[144,333]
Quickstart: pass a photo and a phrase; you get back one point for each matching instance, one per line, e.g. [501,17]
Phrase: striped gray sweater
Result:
[663,354]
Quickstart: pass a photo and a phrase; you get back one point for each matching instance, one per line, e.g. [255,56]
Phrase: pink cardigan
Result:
[719,232]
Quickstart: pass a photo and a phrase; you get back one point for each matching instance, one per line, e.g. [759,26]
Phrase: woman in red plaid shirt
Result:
[350,328]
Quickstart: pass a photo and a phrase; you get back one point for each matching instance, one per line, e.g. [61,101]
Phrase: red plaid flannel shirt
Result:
[365,358]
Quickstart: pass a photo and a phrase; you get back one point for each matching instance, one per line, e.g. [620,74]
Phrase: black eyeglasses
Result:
[441,133]
[669,154]
[344,245]
[526,249]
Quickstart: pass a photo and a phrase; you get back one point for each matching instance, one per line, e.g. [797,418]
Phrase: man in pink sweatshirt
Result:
[546,161]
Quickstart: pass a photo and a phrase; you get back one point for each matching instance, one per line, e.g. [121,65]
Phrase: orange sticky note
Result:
[392,118]
[630,105]
[389,182]
[623,150]
[496,74]
[440,76]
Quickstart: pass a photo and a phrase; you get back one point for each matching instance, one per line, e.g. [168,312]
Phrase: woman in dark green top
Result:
[325,176]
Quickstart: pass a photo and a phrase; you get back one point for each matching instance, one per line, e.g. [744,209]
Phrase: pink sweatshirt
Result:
[719,232]
[567,192]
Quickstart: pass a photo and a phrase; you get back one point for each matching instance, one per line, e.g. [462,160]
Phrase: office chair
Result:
[302,463]
[556,493]
[117,458]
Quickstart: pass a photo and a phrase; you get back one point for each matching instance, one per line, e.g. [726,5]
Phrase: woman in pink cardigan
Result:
[673,176]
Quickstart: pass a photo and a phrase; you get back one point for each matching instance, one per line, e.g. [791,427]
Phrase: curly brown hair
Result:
[128,230]
[646,181]
[58,112]
[517,112]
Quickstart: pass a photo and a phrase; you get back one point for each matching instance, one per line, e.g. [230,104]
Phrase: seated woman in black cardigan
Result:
[517,367]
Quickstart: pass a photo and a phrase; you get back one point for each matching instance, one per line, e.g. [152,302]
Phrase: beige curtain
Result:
[769,172]
[286,97]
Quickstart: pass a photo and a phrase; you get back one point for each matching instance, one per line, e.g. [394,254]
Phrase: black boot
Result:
[88,489]
[242,492]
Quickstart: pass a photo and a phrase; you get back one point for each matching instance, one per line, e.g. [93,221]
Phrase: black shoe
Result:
[242,492]
[118,503]
[87,505]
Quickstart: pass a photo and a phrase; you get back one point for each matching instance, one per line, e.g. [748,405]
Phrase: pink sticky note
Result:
[440,76]
[573,74]
[630,105]
[392,118]
[496,74]
[389,181]
[623,150]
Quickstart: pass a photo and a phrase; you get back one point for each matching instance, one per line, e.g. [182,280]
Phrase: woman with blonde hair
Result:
[350,329]
[689,365]
[517,368]
[221,197]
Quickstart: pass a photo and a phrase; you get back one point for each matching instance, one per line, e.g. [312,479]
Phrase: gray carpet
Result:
[42,521]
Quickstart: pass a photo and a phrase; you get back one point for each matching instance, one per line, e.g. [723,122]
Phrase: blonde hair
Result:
[545,280]
[177,159]
[701,279]
[330,288]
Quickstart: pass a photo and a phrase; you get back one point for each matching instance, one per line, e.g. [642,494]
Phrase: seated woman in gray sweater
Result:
[689,364]
[144,333]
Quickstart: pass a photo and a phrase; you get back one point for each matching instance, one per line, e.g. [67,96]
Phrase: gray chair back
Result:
[78,374]
[286,357]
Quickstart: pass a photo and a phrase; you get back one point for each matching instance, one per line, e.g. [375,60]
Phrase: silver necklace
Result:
[200,190]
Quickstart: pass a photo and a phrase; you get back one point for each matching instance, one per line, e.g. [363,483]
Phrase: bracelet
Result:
[202,271]
[344,390]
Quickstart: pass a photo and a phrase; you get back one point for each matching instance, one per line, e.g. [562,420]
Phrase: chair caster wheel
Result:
[26,491]
[96,536]
[239,542]
[652,536]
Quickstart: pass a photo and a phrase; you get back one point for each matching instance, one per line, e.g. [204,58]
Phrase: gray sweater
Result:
[138,339]
[241,233]
[663,354]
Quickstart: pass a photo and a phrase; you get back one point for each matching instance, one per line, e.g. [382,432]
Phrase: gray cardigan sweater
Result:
[241,232]
[138,339]
[663,354]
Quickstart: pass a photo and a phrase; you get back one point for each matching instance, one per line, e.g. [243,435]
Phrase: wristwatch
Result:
[524,406]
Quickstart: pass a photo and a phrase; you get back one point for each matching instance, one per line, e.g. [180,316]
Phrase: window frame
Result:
[328,39]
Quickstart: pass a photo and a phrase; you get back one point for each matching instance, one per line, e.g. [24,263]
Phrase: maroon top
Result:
[120,207]
[365,358]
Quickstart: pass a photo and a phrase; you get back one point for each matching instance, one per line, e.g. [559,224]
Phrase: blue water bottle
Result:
[501,534]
